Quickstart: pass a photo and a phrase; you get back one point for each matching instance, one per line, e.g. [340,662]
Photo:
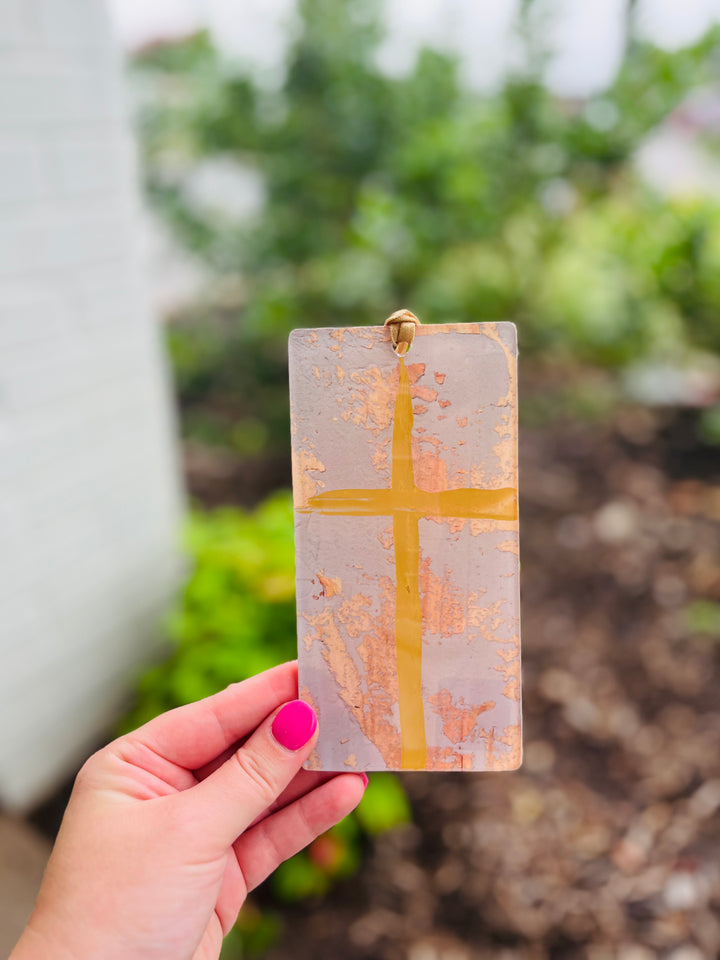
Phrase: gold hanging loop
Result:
[402,325]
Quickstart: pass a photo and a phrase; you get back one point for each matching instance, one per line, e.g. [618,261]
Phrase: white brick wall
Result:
[89,495]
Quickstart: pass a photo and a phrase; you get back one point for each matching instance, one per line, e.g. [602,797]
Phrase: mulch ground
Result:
[606,844]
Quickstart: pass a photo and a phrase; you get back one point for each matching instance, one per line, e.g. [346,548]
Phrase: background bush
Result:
[381,192]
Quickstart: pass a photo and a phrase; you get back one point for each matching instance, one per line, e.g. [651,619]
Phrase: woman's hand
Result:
[169,827]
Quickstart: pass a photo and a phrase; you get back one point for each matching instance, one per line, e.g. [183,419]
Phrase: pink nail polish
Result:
[364,779]
[294,725]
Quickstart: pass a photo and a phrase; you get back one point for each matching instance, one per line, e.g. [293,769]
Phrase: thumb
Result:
[228,801]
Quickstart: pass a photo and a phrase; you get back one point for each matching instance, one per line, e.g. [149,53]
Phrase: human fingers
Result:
[263,847]
[230,799]
[194,735]
[301,783]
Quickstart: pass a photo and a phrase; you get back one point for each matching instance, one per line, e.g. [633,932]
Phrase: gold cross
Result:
[406,504]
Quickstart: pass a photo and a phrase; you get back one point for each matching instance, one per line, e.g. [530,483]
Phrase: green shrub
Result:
[236,614]
[383,191]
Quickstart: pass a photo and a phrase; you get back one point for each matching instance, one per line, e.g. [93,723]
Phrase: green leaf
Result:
[703,617]
[385,804]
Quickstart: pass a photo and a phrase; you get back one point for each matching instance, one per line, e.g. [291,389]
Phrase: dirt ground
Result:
[607,843]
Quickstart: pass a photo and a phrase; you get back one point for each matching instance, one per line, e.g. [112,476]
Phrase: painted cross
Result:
[406,503]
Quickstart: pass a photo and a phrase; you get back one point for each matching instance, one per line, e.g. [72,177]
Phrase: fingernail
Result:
[294,725]
[364,779]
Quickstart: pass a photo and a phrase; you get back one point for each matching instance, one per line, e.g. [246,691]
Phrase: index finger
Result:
[194,735]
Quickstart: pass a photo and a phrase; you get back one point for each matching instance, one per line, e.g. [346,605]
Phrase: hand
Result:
[169,827]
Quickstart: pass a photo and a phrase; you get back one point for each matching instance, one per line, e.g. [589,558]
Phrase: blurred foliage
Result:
[709,425]
[702,618]
[254,933]
[383,191]
[235,618]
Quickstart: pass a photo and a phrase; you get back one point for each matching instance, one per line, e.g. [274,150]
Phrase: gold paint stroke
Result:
[463,502]
[406,503]
[408,612]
